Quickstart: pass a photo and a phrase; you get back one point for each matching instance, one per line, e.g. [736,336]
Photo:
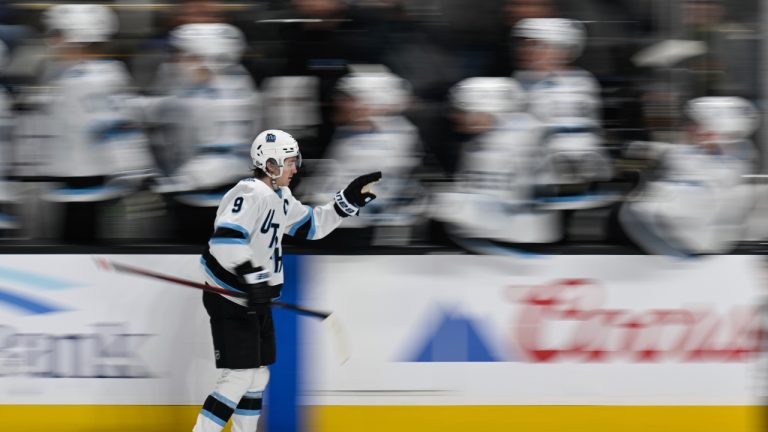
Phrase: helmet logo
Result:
[271,138]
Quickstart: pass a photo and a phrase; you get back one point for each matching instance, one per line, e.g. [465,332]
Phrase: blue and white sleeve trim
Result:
[306,227]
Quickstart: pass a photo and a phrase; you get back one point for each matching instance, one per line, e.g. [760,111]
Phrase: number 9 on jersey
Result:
[237,205]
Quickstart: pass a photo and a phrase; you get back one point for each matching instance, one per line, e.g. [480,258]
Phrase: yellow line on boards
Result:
[535,418]
[172,418]
[98,418]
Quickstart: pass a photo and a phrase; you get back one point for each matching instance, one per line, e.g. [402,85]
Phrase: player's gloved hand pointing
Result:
[355,196]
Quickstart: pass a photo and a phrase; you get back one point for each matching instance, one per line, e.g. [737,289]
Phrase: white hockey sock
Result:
[248,411]
[220,405]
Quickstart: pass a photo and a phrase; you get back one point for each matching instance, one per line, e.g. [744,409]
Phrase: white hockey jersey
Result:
[250,223]
[568,103]
[495,183]
[700,203]
[568,98]
[7,123]
[93,129]
[503,163]
[392,147]
[210,126]
[222,113]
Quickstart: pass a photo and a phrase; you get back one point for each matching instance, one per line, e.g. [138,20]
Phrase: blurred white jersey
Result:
[7,123]
[569,98]
[93,130]
[212,127]
[701,202]
[495,184]
[568,103]
[503,164]
[392,147]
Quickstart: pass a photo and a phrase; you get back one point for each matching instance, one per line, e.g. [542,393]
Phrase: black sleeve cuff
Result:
[339,211]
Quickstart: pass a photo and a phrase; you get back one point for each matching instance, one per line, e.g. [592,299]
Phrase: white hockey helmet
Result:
[218,44]
[566,33]
[730,117]
[275,145]
[384,92]
[81,23]
[488,95]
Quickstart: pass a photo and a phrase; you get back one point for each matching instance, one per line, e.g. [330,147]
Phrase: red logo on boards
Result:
[567,321]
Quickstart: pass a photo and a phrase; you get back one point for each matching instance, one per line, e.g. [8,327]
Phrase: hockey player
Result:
[566,99]
[214,108]
[94,133]
[499,167]
[371,133]
[700,200]
[205,123]
[244,255]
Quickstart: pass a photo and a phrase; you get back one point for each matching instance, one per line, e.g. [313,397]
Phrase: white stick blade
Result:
[339,335]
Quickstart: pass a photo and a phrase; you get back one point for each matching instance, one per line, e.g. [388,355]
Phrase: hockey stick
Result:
[342,348]
[106,264]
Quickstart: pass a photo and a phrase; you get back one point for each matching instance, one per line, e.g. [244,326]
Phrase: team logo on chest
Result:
[269,224]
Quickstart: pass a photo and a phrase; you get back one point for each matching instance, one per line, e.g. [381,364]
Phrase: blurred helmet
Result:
[488,94]
[384,92]
[275,145]
[566,33]
[733,117]
[219,45]
[81,23]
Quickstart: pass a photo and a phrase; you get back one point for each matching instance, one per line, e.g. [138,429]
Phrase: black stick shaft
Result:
[305,311]
[123,268]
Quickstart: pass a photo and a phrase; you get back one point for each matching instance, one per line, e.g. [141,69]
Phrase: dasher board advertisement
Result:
[563,330]
[71,333]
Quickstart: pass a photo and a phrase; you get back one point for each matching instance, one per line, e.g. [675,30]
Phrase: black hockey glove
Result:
[355,196]
[254,283]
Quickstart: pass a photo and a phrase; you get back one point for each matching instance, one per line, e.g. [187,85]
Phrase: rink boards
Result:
[592,343]
[443,342]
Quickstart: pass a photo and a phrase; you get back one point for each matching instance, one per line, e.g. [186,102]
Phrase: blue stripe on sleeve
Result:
[295,227]
[313,228]
[225,240]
